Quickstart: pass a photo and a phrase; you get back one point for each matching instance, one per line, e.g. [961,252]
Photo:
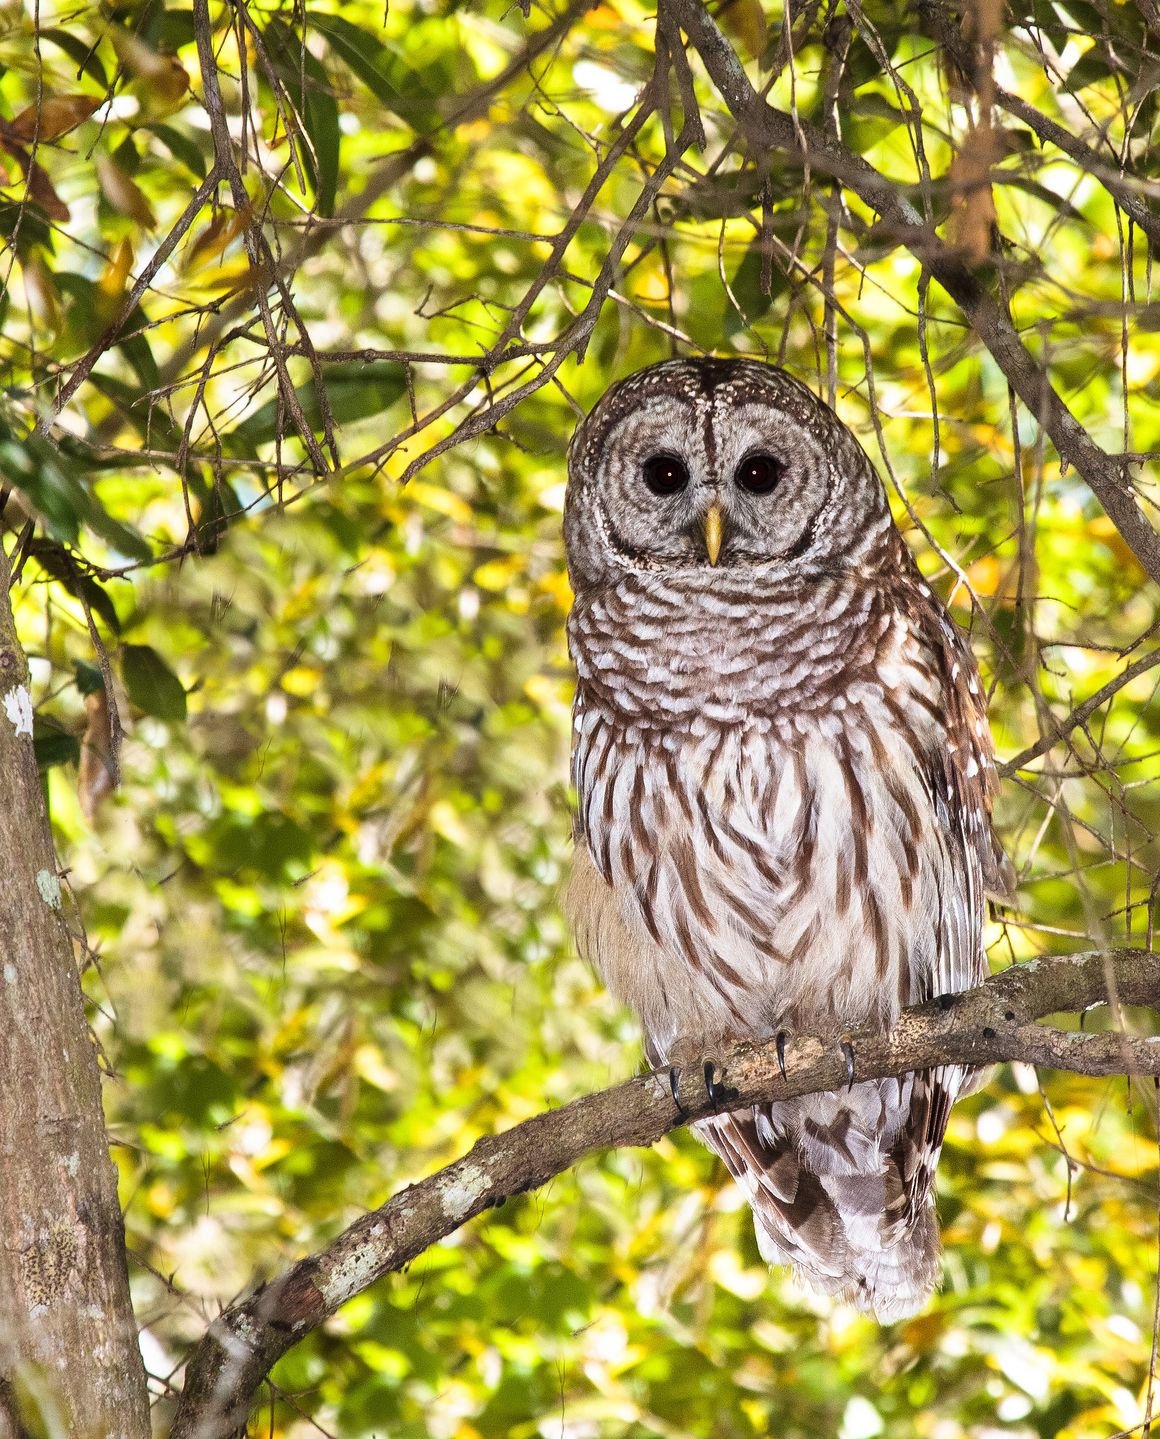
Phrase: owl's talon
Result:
[848,1055]
[716,1091]
[781,1052]
[675,1089]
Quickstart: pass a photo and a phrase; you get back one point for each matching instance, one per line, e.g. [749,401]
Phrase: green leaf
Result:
[1090,68]
[181,147]
[53,745]
[307,85]
[135,348]
[152,685]
[270,843]
[85,55]
[50,479]
[750,296]
[382,70]
[89,679]
[151,422]
[355,391]
[26,226]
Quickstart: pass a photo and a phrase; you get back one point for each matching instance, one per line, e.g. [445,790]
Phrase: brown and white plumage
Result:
[784,779]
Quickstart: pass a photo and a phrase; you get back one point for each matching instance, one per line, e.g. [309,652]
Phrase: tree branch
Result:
[769,128]
[948,34]
[1080,715]
[993,1022]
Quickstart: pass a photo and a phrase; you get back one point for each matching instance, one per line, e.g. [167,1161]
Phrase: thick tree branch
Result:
[994,1022]
[768,128]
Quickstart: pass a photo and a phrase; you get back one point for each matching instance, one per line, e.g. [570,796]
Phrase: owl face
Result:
[698,465]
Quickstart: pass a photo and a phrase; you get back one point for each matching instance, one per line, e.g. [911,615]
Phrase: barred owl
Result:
[784,779]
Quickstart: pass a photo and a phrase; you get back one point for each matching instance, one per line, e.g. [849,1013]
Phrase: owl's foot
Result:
[781,1038]
[718,1093]
[675,1089]
[848,1055]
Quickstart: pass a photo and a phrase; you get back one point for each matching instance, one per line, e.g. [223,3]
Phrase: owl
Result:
[784,779]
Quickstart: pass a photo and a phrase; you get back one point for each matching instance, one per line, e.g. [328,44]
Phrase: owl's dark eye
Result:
[665,474]
[759,474]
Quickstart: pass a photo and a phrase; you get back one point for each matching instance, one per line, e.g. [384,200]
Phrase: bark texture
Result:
[70,1364]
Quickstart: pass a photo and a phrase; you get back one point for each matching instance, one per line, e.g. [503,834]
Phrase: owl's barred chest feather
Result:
[749,766]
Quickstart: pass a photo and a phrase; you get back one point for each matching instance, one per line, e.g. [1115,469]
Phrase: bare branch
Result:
[257,249]
[84,365]
[770,128]
[1081,714]
[993,1022]
[1134,204]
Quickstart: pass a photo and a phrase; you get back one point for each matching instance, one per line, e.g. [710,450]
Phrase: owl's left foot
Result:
[848,1056]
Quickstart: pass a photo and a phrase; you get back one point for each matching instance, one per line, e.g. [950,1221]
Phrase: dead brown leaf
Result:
[56,115]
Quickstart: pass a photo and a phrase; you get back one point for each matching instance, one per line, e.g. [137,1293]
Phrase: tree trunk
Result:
[70,1364]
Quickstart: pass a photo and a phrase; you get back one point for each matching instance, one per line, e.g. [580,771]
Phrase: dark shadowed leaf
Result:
[355,392]
[384,72]
[151,684]
[309,89]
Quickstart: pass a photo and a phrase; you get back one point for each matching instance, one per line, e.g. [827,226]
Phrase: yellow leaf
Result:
[496,575]
[301,681]
[443,502]
[745,21]
[604,17]
[115,274]
[1101,528]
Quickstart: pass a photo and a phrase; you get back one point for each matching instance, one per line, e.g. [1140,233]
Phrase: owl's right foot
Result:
[781,1038]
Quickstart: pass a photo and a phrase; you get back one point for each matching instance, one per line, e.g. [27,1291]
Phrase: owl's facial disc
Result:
[702,466]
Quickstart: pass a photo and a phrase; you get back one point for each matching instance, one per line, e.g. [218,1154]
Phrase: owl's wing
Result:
[962,783]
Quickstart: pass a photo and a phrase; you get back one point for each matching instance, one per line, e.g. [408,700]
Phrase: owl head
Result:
[695,465]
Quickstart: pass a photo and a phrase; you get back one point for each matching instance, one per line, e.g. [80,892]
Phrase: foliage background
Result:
[319,919]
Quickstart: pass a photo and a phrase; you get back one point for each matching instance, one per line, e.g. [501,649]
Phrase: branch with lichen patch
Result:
[994,1022]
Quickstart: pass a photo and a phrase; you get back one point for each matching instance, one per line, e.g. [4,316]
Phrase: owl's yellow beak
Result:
[714,530]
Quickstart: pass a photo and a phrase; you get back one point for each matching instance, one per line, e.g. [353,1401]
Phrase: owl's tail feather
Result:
[841,1196]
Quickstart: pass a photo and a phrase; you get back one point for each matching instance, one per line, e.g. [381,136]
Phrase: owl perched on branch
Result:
[784,779]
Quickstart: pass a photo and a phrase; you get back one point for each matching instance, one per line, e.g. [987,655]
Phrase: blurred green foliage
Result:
[319,918]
